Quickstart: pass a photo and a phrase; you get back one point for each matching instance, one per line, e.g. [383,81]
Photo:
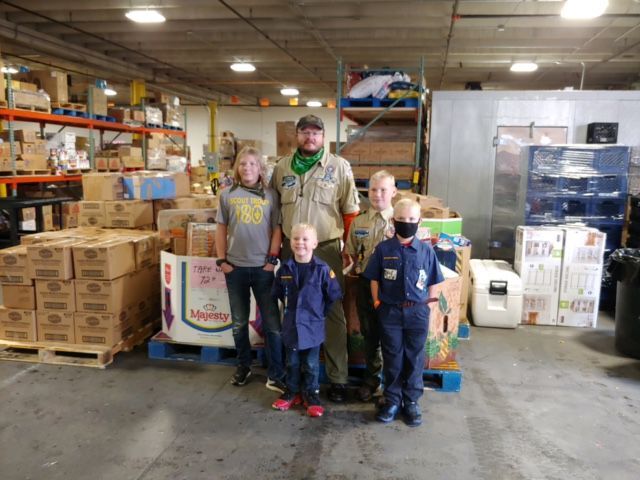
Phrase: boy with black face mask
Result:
[401,271]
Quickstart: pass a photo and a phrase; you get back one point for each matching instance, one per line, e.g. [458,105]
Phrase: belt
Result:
[407,304]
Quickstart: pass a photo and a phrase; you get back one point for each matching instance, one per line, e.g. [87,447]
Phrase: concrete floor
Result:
[536,403]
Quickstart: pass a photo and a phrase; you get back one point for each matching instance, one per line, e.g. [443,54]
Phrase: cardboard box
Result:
[193,202]
[199,313]
[106,329]
[22,297]
[538,261]
[581,277]
[52,260]
[104,296]
[102,186]
[34,161]
[156,186]
[99,102]
[104,259]
[18,324]
[394,153]
[57,327]
[58,295]
[128,213]
[121,114]
[442,338]
[434,212]
[132,162]
[360,172]
[286,138]
[400,173]
[14,266]
[425,201]
[137,115]
[92,214]
[174,223]
[54,83]
[22,136]
[128,151]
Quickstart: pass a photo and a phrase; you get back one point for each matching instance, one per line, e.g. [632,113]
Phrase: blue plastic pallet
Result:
[171,127]
[445,379]
[70,113]
[165,350]
[378,102]
[464,331]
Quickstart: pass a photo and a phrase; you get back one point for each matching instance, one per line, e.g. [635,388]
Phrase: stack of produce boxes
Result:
[80,286]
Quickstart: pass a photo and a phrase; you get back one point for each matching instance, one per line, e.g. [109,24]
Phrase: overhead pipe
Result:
[454,18]
[582,76]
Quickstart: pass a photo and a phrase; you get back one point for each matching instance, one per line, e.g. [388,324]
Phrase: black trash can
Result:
[625,269]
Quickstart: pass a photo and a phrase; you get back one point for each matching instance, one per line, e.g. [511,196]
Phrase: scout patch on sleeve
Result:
[390,273]
[289,181]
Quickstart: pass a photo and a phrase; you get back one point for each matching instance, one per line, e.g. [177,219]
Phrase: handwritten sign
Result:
[204,273]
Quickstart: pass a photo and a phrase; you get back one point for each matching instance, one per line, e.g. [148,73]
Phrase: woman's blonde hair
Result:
[257,154]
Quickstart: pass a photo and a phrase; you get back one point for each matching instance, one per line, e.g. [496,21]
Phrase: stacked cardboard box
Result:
[538,261]
[30,151]
[80,286]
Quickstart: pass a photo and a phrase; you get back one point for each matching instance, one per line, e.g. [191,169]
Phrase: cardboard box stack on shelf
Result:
[81,286]
[117,200]
[84,93]
[30,150]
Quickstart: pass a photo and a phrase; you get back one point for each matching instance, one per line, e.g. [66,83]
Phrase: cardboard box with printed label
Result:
[394,153]
[538,261]
[56,295]
[102,186]
[17,324]
[52,260]
[34,161]
[14,266]
[91,214]
[360,172]
[156,186]
[128,213]
[104,259]
[55,327]
[184,203]
[22,297]
[442,338]
[144,243]
[103,329]
[581,277]
[174,223]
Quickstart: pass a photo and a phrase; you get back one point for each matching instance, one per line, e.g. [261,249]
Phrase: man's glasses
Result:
[310,133]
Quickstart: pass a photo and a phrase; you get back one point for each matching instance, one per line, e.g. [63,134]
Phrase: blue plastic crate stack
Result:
[586,184]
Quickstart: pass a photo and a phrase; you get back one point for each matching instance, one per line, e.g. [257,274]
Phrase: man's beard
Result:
[309,153]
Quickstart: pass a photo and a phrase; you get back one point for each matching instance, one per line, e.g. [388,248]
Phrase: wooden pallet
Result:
[72,354]
[32,108]
[80,107]
[9,173]
[77,171]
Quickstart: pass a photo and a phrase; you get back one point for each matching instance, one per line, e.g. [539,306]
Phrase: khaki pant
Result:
[335,344]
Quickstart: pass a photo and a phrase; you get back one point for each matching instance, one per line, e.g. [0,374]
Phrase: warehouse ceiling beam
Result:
[80,56]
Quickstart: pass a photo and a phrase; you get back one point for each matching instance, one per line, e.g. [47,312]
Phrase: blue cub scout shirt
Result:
[404,273]
[307,303]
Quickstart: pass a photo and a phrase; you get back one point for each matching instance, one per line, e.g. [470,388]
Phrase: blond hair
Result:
[381,175]
[405,203]
[257,154]
[304,227]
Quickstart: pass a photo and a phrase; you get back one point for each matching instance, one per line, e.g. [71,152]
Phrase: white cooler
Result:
[496,294]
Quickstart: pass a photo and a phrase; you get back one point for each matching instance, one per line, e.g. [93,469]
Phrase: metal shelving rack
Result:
[391,114]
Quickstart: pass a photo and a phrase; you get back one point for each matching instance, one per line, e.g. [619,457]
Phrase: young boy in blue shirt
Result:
[307,288]
[401,271]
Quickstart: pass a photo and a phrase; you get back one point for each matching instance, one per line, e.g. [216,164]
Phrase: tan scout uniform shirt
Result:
[320,197]
[368,230]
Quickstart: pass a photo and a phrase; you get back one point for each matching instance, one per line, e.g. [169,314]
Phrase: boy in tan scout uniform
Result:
[317,187]
[367,230]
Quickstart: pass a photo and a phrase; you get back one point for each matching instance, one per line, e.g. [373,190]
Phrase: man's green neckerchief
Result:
[302,165]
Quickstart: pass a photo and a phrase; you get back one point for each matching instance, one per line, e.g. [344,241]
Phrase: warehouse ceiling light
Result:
[583,9]
[524,67]
[314,103]
[110,92]
[289,92]
[9,69]
[145,16]
[243,67]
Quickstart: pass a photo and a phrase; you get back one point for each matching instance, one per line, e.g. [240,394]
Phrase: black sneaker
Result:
[387,413]
[412,414]
[365,392]
[337,392]
[276,385]
[241,376]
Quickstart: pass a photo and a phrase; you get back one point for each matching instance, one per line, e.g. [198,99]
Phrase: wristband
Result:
[220,261]
[272,259]
[376,304]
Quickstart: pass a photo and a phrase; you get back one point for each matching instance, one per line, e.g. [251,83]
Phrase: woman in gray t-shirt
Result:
[248,238]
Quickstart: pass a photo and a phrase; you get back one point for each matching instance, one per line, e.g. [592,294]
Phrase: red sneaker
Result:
[286,401]
[312,404]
